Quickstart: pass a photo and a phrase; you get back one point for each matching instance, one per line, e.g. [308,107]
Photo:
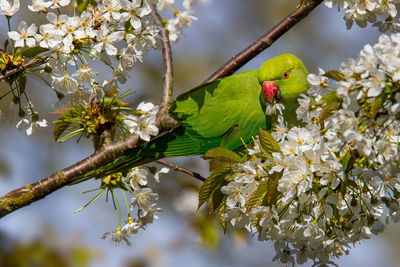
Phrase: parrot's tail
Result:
[175,143]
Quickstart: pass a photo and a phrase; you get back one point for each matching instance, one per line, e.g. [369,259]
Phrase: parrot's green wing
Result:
[227,113]
[229,108]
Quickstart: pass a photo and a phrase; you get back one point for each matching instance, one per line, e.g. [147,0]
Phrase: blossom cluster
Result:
[133,183]
[326,185]
[118,33]
[143,200]
[364,11]
[142,123]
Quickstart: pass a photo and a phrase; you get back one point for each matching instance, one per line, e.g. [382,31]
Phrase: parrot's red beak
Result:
[271,91]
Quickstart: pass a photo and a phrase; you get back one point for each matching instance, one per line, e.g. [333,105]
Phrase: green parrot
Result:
[225,113]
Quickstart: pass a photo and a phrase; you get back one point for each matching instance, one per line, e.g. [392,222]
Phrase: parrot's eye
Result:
[285,75]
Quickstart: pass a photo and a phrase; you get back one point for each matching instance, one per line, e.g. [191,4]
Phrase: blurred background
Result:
[49,233]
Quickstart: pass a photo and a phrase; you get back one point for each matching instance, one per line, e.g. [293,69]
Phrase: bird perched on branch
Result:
[225,113]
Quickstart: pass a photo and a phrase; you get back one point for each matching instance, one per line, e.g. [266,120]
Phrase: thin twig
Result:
[265,41]
[181,169]
[163,120]
[23,67]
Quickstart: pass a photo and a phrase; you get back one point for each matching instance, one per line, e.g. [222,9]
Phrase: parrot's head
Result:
[283,78]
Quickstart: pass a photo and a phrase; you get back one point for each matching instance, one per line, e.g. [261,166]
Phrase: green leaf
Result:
[268,142]
[220,163]
[63,122]
[33,51]
[116,102]
[272,193]
[221,212]
[223,158]
[334,75]
[257,196]
[327,110]
[375,106]
[221,152]
[81,4]
[59,127]
[345,160]
[331,97]
[392,88]
[109,93]
[215,180]
[215,199]
[266,193]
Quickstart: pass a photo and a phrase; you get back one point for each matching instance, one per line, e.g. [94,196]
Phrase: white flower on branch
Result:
[143,124]
[366,11]
[110,10]
[162,4]
[65,83]
[131,227]
[7,9]
[145,127]
[85,74]
[106,39]
[236,192]
[340,3]
[160,173]
[39,6]
[25,35]
[135,11]
[59,3]
[56,25]
[137,176]
[117,236]
[30,125]
[45,38]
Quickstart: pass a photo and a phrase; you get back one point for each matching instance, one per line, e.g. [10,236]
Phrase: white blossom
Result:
[7,9]
[143,125]
[366,11]
[39,5]
[25,35]
[59,3]
[160,173]
[85,74]
[106,39]
[131,227]
[137,176]
[65,83]
[45,38]
[343,167]
[117,236]
[31,125]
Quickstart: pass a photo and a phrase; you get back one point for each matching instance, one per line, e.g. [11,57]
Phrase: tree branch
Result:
[31,63]
[265,41]
[30,193]
[181,169]
[163,120]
